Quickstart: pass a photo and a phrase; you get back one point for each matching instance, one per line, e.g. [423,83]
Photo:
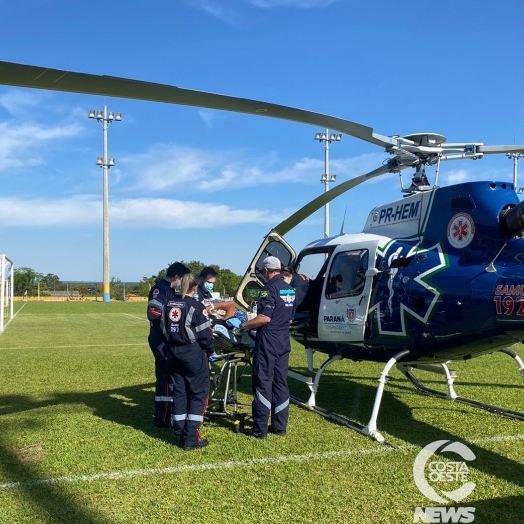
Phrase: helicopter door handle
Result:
[360,301]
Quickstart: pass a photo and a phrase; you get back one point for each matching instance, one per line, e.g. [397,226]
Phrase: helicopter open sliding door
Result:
[347,292]
[253,281]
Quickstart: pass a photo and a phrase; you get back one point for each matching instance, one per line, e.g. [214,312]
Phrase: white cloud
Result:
[19,144]
[17,102]
[229,11]
[208,116]
[456,177]
[86,211]
[217,9]
[169,167]
[301,4]
[347,168]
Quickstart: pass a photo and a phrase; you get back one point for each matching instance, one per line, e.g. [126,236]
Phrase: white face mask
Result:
[288,280]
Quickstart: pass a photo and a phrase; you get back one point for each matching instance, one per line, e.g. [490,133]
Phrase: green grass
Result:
[76,399]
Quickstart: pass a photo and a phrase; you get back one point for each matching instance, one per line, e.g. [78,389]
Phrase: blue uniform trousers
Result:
[190,369]
[270,389]
[163,385]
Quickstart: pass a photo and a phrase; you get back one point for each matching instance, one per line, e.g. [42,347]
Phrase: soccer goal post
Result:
[7,277]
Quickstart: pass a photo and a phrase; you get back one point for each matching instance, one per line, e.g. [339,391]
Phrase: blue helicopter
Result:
[434,277]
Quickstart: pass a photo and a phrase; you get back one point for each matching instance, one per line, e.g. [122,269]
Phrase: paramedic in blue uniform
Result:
[188,330]
[299,282]
[159,296]
[275,307]
[206,284]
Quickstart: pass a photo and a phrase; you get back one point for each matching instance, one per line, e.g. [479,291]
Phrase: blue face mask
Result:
[208,286]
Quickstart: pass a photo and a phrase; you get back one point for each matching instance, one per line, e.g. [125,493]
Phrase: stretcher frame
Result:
[223,394]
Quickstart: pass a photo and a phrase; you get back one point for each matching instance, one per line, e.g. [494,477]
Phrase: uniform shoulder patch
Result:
[264,294]
[175,314]
[156,291]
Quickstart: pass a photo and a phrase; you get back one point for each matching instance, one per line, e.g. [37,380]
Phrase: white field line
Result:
[134,316]
[77,346]
[14,316]
[240,463]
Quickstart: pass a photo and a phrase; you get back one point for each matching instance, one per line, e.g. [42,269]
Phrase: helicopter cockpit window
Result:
[275,249]
[347,275]
[311,264]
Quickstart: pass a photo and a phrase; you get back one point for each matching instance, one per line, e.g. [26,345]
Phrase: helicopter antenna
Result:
[343,220]
[491,268]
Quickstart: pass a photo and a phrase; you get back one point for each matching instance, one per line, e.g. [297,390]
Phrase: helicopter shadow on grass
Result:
[129,406]
[341,394]
[502,509]
[47,500]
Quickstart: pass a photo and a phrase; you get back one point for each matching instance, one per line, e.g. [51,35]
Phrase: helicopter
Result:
[433,277]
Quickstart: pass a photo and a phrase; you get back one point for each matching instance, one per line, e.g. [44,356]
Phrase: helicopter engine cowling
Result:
[512,220]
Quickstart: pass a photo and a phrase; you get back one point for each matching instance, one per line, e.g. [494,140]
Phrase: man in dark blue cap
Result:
[275,307]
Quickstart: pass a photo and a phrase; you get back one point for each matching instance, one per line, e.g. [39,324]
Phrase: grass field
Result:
[78,445]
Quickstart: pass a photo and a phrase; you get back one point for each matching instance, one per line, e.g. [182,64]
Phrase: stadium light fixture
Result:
[105,163]
[326,178]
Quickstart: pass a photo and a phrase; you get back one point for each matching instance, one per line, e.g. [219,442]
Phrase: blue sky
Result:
[197,184]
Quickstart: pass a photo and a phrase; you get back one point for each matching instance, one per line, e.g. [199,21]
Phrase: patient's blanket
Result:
[227,342]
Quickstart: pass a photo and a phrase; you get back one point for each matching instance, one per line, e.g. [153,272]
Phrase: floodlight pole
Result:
[326,178]
[105,163]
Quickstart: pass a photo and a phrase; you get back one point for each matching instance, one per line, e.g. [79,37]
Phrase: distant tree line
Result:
[226,284]
[27,279]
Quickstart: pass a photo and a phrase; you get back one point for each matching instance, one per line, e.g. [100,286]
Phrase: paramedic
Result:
[190,339]
[160,294]
[297,281]
[206,283]
[275,307]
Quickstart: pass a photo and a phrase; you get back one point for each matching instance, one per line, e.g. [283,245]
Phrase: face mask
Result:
[288,280]
[208,286]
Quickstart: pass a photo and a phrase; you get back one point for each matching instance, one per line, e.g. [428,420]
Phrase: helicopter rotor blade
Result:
[57,80]
[316,204]
[500,149]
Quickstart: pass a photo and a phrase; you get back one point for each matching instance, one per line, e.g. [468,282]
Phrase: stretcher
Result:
[231,363]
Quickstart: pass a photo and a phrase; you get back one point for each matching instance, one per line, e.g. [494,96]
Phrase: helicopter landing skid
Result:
[371,429]
[450,378]
[518,360]
[312,384]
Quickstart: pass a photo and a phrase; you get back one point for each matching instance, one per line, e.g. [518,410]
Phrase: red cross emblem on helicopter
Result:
[461,230]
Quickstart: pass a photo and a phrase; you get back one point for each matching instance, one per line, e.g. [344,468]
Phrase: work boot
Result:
[252,433]
[201,444]
[279,432]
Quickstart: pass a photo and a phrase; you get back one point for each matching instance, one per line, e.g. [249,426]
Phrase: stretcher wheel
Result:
[217,379]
